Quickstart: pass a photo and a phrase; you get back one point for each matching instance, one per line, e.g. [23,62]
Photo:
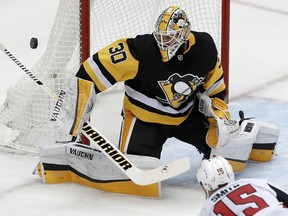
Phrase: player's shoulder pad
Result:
[120,45]
[141,43]
[202,35]
[204,39]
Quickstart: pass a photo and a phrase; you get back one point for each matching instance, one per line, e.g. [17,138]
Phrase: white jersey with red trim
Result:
[243,197]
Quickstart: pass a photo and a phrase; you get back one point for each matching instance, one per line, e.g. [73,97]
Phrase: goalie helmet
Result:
[171,31]
[214,173]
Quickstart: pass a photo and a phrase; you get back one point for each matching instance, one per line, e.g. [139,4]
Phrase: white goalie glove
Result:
[76,100]
[221,127]
[239,141]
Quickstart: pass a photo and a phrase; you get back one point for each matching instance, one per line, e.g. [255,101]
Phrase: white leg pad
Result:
[82,164]
[237,150]
[265,145]
[91,162]
[74,105]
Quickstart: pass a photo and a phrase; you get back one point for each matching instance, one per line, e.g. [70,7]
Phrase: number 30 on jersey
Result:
[117,54]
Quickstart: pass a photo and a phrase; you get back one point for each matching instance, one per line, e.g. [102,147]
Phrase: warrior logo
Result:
[178,88]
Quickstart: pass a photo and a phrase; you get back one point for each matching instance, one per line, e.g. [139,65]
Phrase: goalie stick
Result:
[138,176]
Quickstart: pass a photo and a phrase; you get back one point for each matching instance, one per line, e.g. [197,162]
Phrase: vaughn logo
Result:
[81,154]
[107,147]
[58,105]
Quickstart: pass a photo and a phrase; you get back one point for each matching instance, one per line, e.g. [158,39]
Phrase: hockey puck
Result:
[34,43]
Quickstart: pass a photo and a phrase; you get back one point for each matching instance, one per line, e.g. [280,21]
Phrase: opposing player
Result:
[242,197]
[174,87]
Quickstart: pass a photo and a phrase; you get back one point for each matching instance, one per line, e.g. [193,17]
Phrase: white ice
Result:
[258,85]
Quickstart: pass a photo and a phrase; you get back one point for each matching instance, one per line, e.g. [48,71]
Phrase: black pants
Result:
[148,138]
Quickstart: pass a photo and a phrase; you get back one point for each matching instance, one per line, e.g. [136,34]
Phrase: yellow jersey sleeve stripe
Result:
[125,66]
[213,76]
[218,89]
[93,76]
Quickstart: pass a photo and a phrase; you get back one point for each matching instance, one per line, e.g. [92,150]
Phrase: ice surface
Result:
[258,85]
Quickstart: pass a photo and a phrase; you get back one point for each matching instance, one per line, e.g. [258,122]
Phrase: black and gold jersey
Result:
[157,91]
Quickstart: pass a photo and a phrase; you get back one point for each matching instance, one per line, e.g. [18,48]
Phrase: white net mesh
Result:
[132,17]
[25,115]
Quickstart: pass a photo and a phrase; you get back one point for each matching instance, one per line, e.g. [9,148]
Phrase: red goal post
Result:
[82,27]
[225,42]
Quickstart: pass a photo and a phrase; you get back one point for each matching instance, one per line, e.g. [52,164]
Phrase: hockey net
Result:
[25,115]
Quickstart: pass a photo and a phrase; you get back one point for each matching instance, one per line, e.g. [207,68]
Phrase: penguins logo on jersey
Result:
[178,88]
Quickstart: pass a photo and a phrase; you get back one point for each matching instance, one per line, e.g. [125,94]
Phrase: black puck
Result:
[34,43]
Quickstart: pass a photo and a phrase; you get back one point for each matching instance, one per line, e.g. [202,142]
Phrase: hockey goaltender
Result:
[174,87]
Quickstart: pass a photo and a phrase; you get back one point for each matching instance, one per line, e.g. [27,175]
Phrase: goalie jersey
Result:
[157,91]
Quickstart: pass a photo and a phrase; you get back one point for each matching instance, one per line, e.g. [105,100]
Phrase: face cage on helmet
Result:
[205,191]
[169,41]
[205,180]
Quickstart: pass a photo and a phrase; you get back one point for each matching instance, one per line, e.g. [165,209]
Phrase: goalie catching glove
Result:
[221,127]
[74,105]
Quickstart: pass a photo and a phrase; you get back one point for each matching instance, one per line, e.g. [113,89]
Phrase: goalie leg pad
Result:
[74,105]
[81,164]
[237,149]
[265,145]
